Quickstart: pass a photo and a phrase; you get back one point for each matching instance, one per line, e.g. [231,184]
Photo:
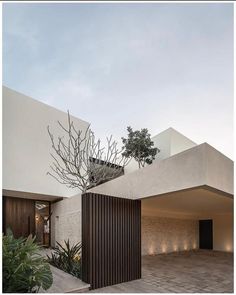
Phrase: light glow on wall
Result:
[151,250]
[175,248]
[166,235]
[185,246]
[194,245]
[228,248]
[163,248]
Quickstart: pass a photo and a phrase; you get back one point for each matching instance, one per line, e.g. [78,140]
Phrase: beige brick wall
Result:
[68,226]
[164,235]
[66,220]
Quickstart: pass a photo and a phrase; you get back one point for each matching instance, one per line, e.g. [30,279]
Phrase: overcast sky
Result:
[114,65]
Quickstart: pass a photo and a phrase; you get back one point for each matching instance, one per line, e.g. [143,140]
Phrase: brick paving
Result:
[199,271]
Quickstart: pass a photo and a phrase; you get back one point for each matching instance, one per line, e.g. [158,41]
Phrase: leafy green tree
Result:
[139,146]
[24,269]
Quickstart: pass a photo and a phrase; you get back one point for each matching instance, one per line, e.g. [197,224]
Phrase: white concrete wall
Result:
[169,142]
[181,171]
[184,170]
[131,167]
[163,142]
[219,171]
[179,142]
[27,146]
[66,220]
[165,235]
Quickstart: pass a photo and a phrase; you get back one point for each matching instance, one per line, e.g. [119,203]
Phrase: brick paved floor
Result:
[200,271]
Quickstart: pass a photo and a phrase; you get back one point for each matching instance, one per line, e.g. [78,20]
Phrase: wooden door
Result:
[19,216]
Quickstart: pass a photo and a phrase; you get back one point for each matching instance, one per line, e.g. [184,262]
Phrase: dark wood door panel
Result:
[206,234]
[111,240]
[19,216]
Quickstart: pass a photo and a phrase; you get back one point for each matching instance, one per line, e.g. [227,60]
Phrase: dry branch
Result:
[79,161]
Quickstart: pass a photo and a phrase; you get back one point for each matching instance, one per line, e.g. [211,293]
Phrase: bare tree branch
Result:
[79,160]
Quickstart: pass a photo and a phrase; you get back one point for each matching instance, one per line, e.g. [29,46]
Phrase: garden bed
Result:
[67,258]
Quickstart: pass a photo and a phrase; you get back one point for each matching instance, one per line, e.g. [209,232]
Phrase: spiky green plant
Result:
[24,269]
[67,258]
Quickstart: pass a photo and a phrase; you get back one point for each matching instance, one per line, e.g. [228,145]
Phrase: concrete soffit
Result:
[204,187]
[200,166]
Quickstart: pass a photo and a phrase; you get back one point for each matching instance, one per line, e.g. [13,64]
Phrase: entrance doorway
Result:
[205,234]
[25,216]
[42,223]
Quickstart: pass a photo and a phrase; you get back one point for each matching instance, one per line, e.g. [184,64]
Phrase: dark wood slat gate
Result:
[111,240]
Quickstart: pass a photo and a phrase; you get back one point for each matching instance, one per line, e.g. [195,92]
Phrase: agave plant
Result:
[24,269]
[67,258]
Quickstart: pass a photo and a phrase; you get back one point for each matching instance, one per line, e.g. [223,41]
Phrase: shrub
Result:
[67,258]
[24,269]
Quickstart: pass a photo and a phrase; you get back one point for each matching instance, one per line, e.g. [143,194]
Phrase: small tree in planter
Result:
[139,146]
[80,161]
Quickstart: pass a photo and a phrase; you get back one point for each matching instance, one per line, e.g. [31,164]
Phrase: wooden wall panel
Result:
[111,240]
[19,216]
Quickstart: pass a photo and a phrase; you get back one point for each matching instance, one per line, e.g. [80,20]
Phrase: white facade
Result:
[27,146]
[185,182]
[198,166]
[169,142]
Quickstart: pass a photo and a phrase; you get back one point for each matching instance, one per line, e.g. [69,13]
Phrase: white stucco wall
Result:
[163,142]
[179,142]
[131,167]
[27,146]
[164,235]
[219,170]
[169,142]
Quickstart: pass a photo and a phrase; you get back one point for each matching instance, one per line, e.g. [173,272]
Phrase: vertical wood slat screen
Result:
[111,240]
[19,216]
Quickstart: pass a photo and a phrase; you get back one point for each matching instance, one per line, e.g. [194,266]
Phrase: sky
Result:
[144,65]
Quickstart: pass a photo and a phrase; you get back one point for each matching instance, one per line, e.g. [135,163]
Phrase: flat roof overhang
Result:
[199,166]
[201,202]
[31,196]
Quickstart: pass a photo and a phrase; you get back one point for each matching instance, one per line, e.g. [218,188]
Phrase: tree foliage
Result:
[139,146]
